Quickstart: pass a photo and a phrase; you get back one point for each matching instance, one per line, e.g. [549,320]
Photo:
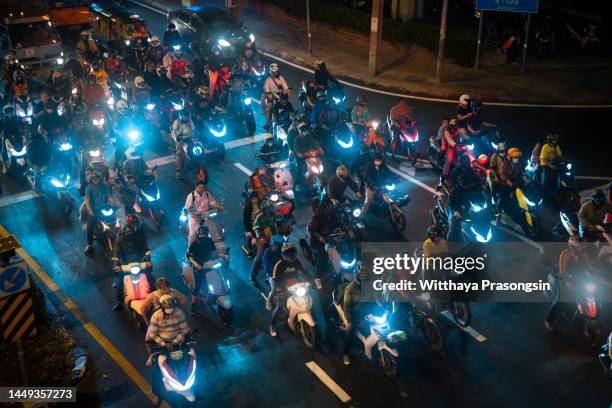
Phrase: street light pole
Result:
[525,43]
[375,37]
[479,39]
[308,26]
[440,64]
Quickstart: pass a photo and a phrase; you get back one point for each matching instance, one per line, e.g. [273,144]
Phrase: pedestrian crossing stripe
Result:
[17,317]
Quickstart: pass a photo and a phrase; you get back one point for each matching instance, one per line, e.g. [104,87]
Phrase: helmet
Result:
[171,26]
[283,96]
[501,147]
[139,82]
[360,100]
[514,152]
[342,171]
[483,159]
[9,58]
[184,117]
[202,231]
[202,90]
[464,160]
[452,125]
[274,68]
[84,34]
[434,232]
[288,251]
[475,104]
[166,302]
[552,137]
[121,106]
[463,99]
[277,241]
[128,230]
[155,40]
[598,196]
[320,94]
[319,63]
[378,156]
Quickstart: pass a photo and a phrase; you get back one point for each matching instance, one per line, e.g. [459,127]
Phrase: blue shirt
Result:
[270,258]
[316,111]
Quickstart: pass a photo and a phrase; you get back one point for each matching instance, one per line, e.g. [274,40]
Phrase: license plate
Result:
[29,52]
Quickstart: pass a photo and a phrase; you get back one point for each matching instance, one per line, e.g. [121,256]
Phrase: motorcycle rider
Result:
[550,155]
[155,52]
[200,251]
[317,108]
[359,164]
[495,178]
[449,146]
[592,214]
[401,116]
[282,110]
[11,128]
[330,117]
[87,48]
[183,129]
[141,93]
[171,37]
[131,246]
[167,328]
[360,116]
[197,204]
[353,309]
[112,64]
[93,94]
[286,272]
[272,254]
[20,88]
[269,152]
[435,245]
[74,66]
[308,95]
[274,85]
[152,300]
[8,68]
[44,109]
[58,86]
[261,182]
[464,113]
[337,185]
[322,77]
[377,174]
[573,262]
[475,123]
[39,153]
[97,196]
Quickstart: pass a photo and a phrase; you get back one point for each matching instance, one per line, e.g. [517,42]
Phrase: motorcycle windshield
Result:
[216,283]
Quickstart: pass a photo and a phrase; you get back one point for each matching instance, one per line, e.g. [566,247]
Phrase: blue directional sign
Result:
[13,279]
[515,6]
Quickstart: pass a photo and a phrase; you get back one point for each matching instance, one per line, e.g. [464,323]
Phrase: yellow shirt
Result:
[432,249]
[548,154]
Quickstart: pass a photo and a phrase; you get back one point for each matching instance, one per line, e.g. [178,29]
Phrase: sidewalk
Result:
[412,71]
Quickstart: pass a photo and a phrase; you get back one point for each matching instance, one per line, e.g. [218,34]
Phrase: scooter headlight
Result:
[197,150]
[59,61]
[301,291]
[590,287]
[183,217]
[568,166]
[64,147]
[217,265]
[356,212]
[219,133]
[150,106]
[133,135]
[135,269]
[529,202]
[347,265]
[107,212]
[176,47]
[337,100]
[477,208]
[381,319]
[252,37]
[148,197]
[178,106]
[390,187]
[481,238]
[274,197]
[346,145]
[223,43]
[247,101]
[74,91]
[94,153]
[58,183]
[127,42]
[470,147]
[494,146]
[110,101]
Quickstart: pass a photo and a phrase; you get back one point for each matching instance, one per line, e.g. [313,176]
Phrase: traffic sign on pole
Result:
[514,6]
[14,279]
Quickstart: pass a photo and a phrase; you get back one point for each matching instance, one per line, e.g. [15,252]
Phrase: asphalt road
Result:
[516,364]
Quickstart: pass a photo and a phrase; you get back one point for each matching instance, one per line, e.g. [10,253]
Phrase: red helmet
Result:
[131,219]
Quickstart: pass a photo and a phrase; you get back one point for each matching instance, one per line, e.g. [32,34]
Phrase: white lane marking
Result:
[442,100]
[243,169]
[469,329]
[432,190]
[150,8]
[400,156]
[17,198]
[328,381]
[592,178]
[232,144]
[412,179]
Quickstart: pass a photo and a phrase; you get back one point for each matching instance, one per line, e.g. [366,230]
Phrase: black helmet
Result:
[378,156]
[184,117]
[288,251]
[434,232]
[552,138]
[202,231]
[464,160]
[475,104]
[128,230]
[598,197]
[171,26]
[283,96]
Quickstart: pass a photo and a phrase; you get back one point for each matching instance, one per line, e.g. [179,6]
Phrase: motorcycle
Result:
[17,151]
[152,117]
[136,288]
[92,161]
[193,158]
[214,130]
[106,230]
[146,204]
[178,368]
[24,109]
[299,313]
[63,149]
[256,75]
[343,139]
[215,229]
[347,246]
[97,125]
[314,172]
[55,187]
[243,112]
[380,335]
[215,289]
[523,211]
[437,158]
[388,204]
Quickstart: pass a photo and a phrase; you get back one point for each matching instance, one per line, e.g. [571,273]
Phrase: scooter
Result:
[215,229]
[300,320]
[55,186]
[17,151]
[523,211]
[63,149]
[106,230]
[215,289]
[314,172]
[193,158]
[136,288]
[178,368]
[243,112]
[388,204]
[146,204]
[380,335]
[214,130]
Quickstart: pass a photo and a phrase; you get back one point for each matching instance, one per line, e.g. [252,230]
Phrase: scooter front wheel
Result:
[388,363]
[433,335]
[308,334]
[398,219]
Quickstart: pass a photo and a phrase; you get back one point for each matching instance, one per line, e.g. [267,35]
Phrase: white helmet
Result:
[464,99]
[139,82]
[154,40]
[274,67]
[121,105]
